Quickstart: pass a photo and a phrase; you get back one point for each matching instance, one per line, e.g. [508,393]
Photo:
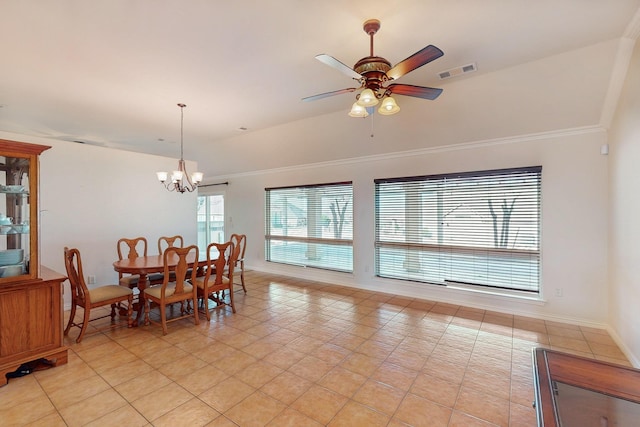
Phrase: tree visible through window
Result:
[310,226]
[475,228]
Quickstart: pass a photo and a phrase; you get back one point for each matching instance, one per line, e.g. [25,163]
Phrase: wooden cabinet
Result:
[30,295]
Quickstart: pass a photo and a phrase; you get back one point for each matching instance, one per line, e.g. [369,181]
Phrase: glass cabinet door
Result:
[15,216]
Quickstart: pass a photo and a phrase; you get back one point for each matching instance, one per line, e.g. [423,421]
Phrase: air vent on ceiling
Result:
[453,72]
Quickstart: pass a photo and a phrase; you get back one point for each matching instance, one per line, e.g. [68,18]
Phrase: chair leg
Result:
[72,316]
[130,312]
[242,278]
[231,303]
[205,307]
[113,312]
[85,323]
[147,304]
[195,310]
[163,318]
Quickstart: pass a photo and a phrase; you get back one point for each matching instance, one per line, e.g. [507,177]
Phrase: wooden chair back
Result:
[218,277]
[177,286]
[218,263]
[182,273]
[132,248]
[240,242]
[113,295]
[73,265]
[166,242]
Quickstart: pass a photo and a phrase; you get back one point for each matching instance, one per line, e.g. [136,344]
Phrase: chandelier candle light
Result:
[180,180]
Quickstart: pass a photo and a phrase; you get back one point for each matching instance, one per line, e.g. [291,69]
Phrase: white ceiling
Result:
[111,72]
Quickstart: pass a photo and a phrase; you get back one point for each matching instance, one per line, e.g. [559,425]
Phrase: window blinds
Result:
[310,226]
[472,229]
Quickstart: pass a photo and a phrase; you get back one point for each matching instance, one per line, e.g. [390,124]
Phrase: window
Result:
[310,226]
[210,220]
[465,229]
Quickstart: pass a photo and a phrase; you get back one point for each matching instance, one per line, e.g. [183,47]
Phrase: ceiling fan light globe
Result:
[358,111]
[367,98]
[388,107]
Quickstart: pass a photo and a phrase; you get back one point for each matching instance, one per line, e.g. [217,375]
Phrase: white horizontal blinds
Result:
[476,228]
[310,226]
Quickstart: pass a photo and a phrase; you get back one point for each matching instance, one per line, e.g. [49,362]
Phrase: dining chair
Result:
[165,242]
[181,290]
[132,248]
[218,277]
[92,298]
[240,243]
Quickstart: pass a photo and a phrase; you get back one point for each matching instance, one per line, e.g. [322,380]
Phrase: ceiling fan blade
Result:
[416,91]
[333,62]
[328,94]
[416,60]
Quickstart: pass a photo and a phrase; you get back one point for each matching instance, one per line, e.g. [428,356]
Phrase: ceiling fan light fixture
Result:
[358,111]
[388,107]
[367,98]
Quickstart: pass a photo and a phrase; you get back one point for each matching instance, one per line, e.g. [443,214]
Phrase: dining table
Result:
[145,265]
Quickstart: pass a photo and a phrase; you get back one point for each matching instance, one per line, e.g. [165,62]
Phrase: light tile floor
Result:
[299,353]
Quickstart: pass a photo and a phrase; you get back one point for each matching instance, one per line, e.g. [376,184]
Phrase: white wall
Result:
[624,259]
[574,218]
[92,196]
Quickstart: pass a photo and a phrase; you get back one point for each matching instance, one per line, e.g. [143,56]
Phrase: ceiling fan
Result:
[375,73]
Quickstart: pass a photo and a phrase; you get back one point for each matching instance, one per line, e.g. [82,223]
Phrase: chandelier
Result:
[180,180]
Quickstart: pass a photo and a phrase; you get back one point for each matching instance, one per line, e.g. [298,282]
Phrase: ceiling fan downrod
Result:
[372,68]
[371,27]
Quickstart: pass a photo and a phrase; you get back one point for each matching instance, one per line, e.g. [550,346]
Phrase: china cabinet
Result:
[30,294]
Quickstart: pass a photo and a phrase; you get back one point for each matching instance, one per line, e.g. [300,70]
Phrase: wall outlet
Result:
[91,280]
[558,292]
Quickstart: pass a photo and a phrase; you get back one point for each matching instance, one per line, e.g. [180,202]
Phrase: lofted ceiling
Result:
[110,73]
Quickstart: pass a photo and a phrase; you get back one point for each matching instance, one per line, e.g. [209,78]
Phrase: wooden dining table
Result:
[145,265]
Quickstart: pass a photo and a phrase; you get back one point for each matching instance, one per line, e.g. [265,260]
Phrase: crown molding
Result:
[425,151]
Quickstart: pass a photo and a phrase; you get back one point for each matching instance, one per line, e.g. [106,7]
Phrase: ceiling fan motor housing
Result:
[374,70]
